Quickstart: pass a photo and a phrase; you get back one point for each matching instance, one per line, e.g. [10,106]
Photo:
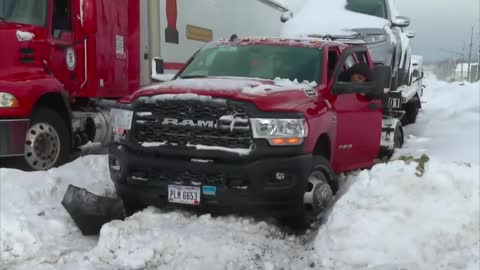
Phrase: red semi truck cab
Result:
[58,57]
[254,125]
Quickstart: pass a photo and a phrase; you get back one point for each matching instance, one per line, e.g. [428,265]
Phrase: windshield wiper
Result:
[192,76]
[2,19]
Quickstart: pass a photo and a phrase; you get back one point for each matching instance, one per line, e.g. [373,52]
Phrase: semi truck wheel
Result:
[47,143]
[320,187]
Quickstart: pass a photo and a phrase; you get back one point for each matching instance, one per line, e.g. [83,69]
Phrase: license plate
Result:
[394,100]
[394,103]
[184,194]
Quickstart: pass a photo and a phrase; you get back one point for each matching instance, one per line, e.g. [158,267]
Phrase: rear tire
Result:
[398,141]
[411,108]
[48,143]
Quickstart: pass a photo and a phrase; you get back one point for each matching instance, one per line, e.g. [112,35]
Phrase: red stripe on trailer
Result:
[173,65]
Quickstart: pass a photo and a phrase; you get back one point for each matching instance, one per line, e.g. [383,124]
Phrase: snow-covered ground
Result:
[384,218]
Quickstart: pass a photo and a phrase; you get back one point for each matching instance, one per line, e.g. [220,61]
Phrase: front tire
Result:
[47,142]
[321,186]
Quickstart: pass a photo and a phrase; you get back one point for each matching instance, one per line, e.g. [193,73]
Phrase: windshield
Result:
[258,61]
[33,12]
[369,7]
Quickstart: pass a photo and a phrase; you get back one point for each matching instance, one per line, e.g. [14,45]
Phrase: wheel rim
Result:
[318,193]
[42,146]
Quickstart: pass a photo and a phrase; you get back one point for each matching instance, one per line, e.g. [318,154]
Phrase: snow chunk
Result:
[163,77]
[253,86]
[153,144]
[280,85]
[189,96]
[224,83]
[240,151]
[25,36]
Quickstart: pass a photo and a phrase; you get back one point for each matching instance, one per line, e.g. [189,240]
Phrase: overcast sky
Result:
[439,24]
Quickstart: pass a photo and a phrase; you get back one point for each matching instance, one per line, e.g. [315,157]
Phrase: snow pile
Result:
[449,126]
[322,17]
[389,216]
[156,239]
[33,223]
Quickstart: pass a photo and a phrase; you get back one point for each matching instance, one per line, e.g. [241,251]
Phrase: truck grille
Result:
[191,178]
[191,122]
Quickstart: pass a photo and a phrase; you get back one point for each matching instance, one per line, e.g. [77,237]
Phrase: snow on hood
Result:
[266,94]
[328,17]
[25,36]
[247,85]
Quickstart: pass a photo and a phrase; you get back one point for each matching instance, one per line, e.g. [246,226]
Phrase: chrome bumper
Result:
[12,136]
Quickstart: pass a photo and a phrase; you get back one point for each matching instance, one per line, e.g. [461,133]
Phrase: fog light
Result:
[280,176]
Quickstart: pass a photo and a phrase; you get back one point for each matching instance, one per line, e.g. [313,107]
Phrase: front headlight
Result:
[280,131]
[8,101]
[372,38]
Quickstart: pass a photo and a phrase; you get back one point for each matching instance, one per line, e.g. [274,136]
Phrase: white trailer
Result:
[178,28]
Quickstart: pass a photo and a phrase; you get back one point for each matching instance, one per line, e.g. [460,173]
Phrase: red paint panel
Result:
[133,45]
[173,65]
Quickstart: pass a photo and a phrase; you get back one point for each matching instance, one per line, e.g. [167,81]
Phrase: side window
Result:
[350,62]
[361,57]
[333,56]
[353,71]
[61,18]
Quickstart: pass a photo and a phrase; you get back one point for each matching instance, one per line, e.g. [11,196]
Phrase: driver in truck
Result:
[358,73]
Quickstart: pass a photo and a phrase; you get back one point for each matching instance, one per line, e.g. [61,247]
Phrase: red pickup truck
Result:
[255,126]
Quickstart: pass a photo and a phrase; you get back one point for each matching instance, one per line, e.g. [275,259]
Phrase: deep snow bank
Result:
[33,223]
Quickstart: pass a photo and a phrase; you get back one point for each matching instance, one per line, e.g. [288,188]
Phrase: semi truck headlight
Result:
[280,131]
[373,38]
[8,101]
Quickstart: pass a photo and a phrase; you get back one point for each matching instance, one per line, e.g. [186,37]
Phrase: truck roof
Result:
[277,41]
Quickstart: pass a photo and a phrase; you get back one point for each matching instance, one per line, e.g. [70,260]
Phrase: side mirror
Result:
[410,34]
[401,21]
[383,78]
[158,70]
[286,16]
[89,11]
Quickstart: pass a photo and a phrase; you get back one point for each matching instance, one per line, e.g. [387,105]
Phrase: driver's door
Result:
[359,119]
[68,55]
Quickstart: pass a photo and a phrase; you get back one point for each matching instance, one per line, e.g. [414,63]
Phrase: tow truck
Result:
[252,125]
